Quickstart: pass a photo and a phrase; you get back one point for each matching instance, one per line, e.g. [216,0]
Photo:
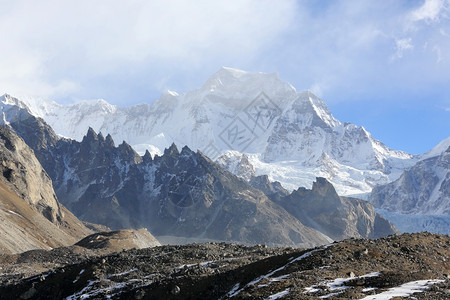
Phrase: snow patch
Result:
[405,289]
[279,295]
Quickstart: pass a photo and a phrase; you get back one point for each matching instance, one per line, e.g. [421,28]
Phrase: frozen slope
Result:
[420,198]
[290,135]
[423,188]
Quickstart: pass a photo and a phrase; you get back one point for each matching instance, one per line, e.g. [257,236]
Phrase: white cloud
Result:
[51,42]
[430,11]
[402,45]
[122,49]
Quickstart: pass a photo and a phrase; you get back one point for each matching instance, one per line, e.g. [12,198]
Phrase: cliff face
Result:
[31,214]
[23,172]
[336,216]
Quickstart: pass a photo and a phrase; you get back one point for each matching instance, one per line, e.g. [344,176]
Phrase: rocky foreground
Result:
[354,268]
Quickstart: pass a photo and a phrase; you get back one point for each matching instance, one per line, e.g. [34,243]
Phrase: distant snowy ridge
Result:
[422,189]
[291,136]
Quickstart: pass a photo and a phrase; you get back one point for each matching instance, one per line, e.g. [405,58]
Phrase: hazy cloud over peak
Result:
[394,51]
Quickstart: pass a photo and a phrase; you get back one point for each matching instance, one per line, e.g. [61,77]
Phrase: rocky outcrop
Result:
[114,241]
[31,216]
[273,190]
[199,198]
[237,164]
[336,216]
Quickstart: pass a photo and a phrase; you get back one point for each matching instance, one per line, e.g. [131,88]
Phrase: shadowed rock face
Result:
[31,216]
[338,217]
[274,190]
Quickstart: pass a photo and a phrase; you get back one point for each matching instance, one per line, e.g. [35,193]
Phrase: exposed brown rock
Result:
[30,214]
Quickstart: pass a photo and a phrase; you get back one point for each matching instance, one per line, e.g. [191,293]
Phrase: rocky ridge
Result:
[36,261]
[353,268]
[423,188]
[420,199]
[336,216]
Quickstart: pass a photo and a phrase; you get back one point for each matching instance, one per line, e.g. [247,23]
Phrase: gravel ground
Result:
[350,269]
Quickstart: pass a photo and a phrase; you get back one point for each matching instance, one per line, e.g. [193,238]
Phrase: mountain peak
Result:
[232,71]
[91,135]
[171,150]
[236,83]
[320,108]
[109,140]
[101,137]
[147,156]
[227,73]
[440,148]
[323,187]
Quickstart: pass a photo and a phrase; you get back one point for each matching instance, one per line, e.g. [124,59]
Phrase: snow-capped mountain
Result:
[420,198]
[423,188]
[291,136]
[186,195]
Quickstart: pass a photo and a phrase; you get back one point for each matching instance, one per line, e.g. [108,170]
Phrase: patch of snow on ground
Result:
[405,289]
[233,290]
[270,274]
[123,273]
[330,295]
[279,295]
[12,213]
[336,284]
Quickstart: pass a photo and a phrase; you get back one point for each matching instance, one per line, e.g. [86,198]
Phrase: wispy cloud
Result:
[132,50]
[431,10]
[402,45]
[48,44]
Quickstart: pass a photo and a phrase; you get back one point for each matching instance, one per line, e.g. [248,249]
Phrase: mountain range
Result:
[254,124]
[291,136]
[185,195]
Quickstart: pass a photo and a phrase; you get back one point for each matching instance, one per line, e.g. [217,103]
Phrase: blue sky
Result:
[384,65]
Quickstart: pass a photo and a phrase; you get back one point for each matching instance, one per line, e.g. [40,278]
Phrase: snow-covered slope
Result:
[420,198]
[423,188]
[291,136]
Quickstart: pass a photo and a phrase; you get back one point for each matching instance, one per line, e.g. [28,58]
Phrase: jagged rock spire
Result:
[171,150]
